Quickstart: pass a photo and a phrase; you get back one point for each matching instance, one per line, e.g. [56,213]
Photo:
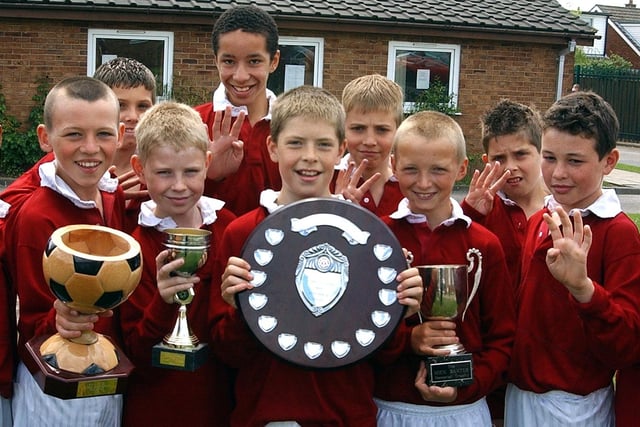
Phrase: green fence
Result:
[621,89]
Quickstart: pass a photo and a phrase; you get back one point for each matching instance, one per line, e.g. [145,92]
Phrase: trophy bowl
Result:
[91,269]
[447,296]
[191,244]
[181,349]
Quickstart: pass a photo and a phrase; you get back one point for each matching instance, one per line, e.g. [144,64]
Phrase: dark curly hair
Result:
[249,19]
[586,114]
[508,118]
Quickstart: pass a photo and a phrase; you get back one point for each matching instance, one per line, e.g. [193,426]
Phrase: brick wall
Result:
[490,70]
[616,45]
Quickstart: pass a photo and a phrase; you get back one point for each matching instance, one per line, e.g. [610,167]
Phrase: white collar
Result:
[404,212]
[605,206]
[507,201]
[220,102]
[4,208]
[208,207]
[49,179]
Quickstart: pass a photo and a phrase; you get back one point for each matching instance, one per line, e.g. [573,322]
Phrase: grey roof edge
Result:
[30,6]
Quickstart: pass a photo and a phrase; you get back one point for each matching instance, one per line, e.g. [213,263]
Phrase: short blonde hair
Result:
[170,124]
[310,102]
[372,93]
[432,125]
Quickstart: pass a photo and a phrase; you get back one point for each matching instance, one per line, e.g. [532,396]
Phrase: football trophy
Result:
[91,269]
[447,296]
[181,349]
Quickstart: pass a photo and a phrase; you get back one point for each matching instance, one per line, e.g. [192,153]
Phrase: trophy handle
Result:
[476,277]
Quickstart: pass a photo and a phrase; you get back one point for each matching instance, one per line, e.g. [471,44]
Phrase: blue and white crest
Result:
[322,275]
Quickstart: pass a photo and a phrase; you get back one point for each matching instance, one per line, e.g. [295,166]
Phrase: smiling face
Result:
[84,137]
[133,103]
[571,168]
[427,170]
[244,65]
[370,136]
[307,151]
[517,154]
[175,180]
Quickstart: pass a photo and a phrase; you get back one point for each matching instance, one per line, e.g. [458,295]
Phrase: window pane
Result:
[296,68]
[416,70]
[149,52]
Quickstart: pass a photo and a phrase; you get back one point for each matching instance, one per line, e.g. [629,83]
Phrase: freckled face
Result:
[427,171]
[306,152]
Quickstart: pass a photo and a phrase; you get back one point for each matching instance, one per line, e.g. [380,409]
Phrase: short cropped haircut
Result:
[585,114]
[83,88]
[310,102]
[127,73]
[170,124]
[432,125]
[373,93]
[249,19]
[510,118]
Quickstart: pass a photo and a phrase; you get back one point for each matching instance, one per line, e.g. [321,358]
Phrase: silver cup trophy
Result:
[181,349]
[447,296]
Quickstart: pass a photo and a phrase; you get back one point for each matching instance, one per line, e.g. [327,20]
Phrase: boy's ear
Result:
[485,158]
[611,160]
[138,168]
[274,62]
[207,160]
[462,171]
[392,157]
[43,138]
[272,148]
[342,148]
[120,134]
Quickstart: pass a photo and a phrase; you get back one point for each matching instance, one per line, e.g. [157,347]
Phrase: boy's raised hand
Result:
[567,259]
[409,290]
[236,278]
[170,284]
[484,186]
[226,149]
[348,179]
[433,393]
[129,182]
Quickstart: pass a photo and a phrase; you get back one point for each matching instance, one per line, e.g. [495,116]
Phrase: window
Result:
[300,64]
[415,66]
[153,48]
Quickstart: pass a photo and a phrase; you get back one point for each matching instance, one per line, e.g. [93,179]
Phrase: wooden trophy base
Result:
[183,359]
[450,371]
[68,385]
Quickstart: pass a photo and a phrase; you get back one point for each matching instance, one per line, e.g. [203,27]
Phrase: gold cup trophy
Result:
[181,349]
[92,269]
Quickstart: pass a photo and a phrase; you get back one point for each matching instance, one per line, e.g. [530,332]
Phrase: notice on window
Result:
[293,76]
[107,58]
[422,79]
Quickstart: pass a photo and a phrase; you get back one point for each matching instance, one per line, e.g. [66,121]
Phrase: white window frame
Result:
[454,67]
[164,36]
[318,44]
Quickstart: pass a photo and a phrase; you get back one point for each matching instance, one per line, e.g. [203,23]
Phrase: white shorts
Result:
[6,420]
[32,407]
[558,408]
[400,414]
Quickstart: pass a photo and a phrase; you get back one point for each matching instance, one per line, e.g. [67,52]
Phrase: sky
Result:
[586,5]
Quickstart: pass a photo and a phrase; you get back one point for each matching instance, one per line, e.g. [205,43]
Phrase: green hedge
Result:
[20,148]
